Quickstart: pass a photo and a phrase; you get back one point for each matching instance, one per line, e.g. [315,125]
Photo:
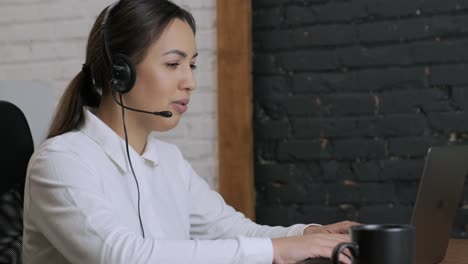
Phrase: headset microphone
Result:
[165,114]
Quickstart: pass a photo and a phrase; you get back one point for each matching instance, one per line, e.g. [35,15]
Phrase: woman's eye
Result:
[193,66]
[172,65]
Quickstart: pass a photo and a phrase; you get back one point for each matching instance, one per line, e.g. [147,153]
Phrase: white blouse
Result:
[81,207]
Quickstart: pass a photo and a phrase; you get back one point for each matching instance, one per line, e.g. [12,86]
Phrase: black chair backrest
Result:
[16,148]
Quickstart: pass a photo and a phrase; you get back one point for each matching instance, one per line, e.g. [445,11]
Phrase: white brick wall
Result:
[45,40]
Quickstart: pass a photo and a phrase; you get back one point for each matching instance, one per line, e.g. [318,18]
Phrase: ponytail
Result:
[70,111]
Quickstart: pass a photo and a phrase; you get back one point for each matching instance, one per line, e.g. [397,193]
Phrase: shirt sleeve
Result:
[65,203]
[212,218]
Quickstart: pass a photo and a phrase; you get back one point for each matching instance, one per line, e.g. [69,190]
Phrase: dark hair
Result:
[133,26]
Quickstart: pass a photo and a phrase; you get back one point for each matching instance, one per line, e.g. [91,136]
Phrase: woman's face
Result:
[165,78]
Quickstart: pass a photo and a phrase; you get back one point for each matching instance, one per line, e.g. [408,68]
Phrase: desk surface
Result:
[457,252]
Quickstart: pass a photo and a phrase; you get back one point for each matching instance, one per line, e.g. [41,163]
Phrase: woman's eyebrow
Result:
[179,52]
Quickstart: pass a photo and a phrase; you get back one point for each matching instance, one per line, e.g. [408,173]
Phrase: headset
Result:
[123,73]
[123,70]
[123,76]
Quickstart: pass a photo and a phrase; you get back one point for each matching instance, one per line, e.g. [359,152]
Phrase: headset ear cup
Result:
[124,73]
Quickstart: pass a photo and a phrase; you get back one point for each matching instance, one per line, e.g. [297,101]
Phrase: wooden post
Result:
[234,41]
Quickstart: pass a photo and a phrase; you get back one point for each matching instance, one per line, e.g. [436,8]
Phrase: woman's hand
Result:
[337,228]
[295,249]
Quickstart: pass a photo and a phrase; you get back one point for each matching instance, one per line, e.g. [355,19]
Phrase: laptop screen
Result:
[439,195]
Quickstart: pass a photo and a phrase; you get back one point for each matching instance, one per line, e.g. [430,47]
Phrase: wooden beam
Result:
[234,56]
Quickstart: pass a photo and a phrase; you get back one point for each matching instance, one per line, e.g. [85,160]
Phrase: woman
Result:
[101,190]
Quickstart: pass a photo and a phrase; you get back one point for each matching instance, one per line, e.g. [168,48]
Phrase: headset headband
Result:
[105,46]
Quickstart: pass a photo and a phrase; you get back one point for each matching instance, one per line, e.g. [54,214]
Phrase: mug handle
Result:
[353,248]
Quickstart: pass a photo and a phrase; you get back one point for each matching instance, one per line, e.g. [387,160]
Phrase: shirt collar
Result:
[150,154]
[114,146]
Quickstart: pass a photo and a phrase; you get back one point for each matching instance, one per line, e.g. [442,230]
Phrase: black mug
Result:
[379,244]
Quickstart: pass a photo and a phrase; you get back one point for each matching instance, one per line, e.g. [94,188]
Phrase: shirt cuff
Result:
[306,226]
[298,229]
[256,250]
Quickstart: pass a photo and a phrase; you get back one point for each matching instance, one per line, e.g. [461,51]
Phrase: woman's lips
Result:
[181,108]
[181,105]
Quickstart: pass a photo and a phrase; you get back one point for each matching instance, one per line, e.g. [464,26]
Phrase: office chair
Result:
[16,148]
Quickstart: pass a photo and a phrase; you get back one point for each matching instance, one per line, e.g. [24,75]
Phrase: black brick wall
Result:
[349,95]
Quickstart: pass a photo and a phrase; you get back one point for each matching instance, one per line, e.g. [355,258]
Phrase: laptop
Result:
[440,191]
[439,194]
